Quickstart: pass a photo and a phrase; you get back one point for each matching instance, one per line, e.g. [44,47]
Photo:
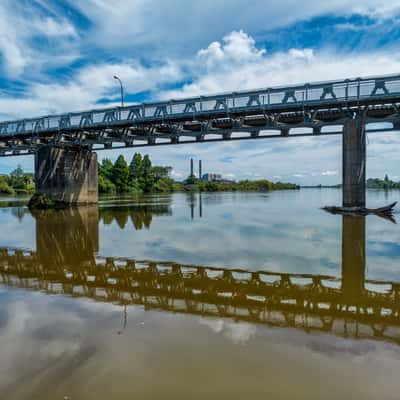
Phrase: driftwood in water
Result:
[384,212]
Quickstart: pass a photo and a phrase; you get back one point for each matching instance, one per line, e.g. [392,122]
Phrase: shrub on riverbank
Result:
[262,185]
[382,183]
[41,201]
[18,182]
[5,188]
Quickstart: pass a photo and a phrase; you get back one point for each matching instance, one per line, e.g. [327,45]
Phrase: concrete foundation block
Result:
[67,174]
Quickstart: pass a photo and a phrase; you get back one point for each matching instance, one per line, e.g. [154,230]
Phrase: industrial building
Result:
[209,177]
[212,177]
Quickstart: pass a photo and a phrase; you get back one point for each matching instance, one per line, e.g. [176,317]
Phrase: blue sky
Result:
[59,56]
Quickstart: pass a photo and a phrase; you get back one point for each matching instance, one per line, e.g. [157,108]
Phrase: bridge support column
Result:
[354,160]
[67,175]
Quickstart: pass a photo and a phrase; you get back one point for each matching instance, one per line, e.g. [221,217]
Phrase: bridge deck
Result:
[211,118]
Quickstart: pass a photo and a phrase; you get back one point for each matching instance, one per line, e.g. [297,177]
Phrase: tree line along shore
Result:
[385,183]
[141,176]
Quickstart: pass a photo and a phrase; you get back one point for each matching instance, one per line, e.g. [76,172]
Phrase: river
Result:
[194,296]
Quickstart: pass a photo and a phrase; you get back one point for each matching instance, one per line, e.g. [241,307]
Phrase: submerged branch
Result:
[383,212]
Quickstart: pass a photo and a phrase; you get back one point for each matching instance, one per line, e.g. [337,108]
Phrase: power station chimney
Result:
[191,167]
[200,169]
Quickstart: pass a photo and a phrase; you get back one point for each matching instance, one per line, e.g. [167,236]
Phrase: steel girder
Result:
[265,113]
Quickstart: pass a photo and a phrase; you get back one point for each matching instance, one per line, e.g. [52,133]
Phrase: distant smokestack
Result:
[191,167]
[200,169]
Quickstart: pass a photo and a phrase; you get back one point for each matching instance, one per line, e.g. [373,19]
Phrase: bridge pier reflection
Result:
[67,237]
[353,258]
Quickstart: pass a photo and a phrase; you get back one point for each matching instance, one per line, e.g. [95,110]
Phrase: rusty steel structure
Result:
[304,301]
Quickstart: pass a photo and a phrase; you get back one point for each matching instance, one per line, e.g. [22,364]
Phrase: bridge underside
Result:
[67,172]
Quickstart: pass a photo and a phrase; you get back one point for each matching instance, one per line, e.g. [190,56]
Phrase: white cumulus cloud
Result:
[329,173]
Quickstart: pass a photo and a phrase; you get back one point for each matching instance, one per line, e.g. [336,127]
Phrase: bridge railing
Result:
[190,108]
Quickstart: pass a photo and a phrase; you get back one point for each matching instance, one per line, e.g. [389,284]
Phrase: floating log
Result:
[384,212]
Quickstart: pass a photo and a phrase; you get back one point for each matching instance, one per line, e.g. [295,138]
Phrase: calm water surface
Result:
[225,296]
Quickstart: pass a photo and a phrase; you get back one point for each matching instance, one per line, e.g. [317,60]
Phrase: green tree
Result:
[18,173]
[164,185]
[106,168]
[120,174]
[17,178]
[386,182]
[105,185]
[147,167]
[20,181]
[5,188]
[136,167]
[191,180]
[161,172]
[147,180]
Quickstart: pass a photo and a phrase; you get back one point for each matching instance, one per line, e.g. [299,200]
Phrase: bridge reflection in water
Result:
[66,262]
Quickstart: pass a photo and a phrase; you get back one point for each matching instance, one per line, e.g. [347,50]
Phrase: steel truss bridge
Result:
[302,110]
[303,301]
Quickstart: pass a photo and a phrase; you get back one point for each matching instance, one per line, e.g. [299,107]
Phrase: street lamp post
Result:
[122,90]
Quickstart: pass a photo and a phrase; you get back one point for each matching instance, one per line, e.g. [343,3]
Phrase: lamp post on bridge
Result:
[122,89]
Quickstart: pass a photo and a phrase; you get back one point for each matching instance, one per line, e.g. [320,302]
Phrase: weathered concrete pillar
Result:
[67,174]
[354,160]
[353,258]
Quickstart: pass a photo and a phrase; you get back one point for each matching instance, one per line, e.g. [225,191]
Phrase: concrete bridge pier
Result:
[67,175]
[354,160]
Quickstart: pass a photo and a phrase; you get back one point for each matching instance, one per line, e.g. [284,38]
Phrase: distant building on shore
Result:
[208,177]
[212,177]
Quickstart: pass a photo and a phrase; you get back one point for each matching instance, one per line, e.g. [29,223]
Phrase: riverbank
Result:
[371,183]
[262,185]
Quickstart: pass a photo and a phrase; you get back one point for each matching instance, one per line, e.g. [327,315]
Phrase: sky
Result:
[60,55]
